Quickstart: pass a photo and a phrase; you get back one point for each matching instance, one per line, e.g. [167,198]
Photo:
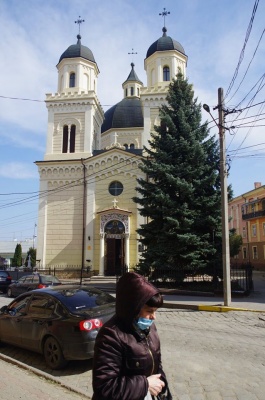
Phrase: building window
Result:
[166,75]
[132,146]
[255,252]
[126,146]
[254,230]
[244,251]
[115,188]
[244,233]
[65,139]
[126,92]
[138,92]
[68,139]
[72,80]
[132,91]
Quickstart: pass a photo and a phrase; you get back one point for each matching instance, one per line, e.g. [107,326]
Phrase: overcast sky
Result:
[224,50]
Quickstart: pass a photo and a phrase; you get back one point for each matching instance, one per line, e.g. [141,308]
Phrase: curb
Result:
[43,375]
[202,307]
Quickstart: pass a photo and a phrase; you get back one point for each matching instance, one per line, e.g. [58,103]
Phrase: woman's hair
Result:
[155,301]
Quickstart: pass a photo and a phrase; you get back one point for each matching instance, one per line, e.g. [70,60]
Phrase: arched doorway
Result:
[114,248]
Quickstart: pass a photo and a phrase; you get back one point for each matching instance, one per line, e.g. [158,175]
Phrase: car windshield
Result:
[48,279]
[81,299]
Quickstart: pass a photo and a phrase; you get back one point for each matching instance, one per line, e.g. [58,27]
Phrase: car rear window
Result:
[81,299]
[48,279]
[4,274]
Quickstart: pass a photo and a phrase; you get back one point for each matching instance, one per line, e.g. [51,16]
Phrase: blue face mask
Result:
[144,323]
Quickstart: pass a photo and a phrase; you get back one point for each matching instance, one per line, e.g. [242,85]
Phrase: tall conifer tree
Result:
[181,196]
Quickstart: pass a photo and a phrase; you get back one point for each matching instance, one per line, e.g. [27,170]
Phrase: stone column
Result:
[101,254]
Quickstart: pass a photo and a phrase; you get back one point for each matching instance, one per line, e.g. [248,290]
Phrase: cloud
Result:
[17,170]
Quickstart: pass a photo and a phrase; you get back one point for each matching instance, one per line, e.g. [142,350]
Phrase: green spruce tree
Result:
[181,196]
[17,259]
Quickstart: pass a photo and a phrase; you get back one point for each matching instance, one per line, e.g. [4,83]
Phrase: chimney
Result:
[257,185]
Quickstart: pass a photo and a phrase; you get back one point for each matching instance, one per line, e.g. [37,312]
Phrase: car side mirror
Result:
[3,309]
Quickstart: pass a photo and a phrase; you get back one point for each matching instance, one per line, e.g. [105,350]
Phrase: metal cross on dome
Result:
[133,52]
[164,14]
[79,22]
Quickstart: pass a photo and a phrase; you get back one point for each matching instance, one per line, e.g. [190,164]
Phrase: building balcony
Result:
[255,214]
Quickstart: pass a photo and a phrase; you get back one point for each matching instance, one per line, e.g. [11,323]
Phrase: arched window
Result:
[132,91]
[68,139]
[166,75]
[72,80]
[126,146]
[65,139]
[72,139]
[126,92]
[132,146]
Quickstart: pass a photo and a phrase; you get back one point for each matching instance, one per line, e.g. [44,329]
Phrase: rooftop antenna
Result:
[164,13]
[79,22]
[133,52]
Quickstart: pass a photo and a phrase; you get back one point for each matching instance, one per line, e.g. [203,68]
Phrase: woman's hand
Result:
[155,384]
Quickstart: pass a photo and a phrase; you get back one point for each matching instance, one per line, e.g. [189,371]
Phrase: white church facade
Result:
[88,175]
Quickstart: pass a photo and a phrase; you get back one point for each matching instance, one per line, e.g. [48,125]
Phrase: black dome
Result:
[125,114]
[78,50]
[164,43]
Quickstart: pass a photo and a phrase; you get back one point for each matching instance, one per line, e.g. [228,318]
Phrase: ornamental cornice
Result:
[70,107]
[98,167]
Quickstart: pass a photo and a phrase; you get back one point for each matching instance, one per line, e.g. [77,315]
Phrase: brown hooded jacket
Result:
[124,356]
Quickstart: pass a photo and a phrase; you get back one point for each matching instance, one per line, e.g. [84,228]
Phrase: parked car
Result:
[30,282]
[5,280]
[61,322]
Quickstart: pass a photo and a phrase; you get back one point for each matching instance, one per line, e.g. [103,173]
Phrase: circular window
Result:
[115,188]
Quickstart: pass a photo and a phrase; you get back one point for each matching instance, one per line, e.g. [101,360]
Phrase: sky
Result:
[223,40]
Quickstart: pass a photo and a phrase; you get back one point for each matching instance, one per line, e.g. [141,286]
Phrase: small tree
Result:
[235,241]
[32,253]
[17,259]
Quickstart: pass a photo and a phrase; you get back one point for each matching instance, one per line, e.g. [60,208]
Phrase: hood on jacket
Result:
[132,292]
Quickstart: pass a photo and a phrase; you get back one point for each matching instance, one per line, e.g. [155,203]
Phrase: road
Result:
[206,355]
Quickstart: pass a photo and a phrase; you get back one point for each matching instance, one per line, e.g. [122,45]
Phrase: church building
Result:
[88,175]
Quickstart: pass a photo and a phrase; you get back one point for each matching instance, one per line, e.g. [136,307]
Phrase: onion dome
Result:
[78,50]
[164,43]
[125,114]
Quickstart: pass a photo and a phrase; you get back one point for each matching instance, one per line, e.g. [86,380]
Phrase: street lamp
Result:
[224,200]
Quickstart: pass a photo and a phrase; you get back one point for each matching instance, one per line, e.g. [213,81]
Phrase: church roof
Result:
[125,114]
[133,76]
[78,50]
[164,43]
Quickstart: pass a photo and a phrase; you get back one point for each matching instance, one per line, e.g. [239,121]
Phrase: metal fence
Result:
[172,278]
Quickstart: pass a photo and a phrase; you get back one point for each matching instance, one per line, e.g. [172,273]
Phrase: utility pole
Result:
[224,203]
[224,198]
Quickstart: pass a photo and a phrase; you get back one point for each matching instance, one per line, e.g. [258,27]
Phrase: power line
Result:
[243,49]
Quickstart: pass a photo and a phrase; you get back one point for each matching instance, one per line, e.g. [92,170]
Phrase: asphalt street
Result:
[207,355]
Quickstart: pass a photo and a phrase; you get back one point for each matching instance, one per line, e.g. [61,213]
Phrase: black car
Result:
[5,280]
[60,322]
[30,282]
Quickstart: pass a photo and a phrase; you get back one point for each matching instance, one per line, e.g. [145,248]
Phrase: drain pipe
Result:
[84,222]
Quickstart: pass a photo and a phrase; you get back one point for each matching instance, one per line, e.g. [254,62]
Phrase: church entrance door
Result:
[114,255]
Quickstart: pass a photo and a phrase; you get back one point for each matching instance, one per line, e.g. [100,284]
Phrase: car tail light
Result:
[90,324]
[8,278]
[41,286]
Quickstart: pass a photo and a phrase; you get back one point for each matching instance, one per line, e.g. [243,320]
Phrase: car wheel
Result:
[53,354]
[9,293]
